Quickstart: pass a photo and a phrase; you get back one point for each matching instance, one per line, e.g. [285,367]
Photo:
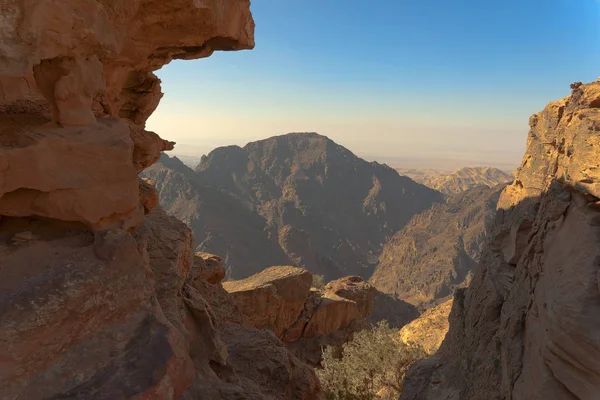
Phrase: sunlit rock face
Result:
[101,295]
[76,87]
[528,327]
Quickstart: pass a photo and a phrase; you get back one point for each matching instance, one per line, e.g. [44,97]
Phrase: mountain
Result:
[438,249]
[299,199]
[460,180]
[221,223]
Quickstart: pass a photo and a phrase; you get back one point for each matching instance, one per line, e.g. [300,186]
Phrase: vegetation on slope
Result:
[372,366]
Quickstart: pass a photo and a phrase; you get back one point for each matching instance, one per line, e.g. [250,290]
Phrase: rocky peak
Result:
[459,180]
[316,205]
[228,158]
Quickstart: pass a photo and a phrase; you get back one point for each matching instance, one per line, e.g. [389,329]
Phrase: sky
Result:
[419,83]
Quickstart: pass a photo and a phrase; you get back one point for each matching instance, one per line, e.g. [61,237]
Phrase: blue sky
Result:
[400,81]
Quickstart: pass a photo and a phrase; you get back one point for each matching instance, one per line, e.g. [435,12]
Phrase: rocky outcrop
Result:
[429,330]
[273,298]
[281,300]
[298,199]
[528,327]
[437,251]
[459,180]
[101,295]
[73,327]
[76,88]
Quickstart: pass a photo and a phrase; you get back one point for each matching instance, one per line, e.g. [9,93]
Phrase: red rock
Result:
[273,298]
[280,299]
[79,174]
[97,301]
[212,269]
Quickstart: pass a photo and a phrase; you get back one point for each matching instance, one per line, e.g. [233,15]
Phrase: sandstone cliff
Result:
[459,180]
[528,327]
[300,199]
[101,296]
[437,251]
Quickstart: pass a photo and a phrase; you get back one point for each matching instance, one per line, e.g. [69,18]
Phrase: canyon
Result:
[125,274]
[437,251]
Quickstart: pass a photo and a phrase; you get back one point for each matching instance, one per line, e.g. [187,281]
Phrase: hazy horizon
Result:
[420,84]
[191,154]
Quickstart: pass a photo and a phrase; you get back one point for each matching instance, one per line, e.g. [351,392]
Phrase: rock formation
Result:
[305,319]
[101,296]
[437,251]
[302,200]
[459,180]
[429,330]
[528,327]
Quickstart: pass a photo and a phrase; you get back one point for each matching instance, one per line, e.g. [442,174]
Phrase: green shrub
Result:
[318,281]
[372,366]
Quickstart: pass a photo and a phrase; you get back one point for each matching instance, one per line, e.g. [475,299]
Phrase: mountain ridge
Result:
[437,251]
[298,185]
[458,180]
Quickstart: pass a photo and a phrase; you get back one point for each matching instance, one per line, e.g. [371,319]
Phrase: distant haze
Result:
[419,84]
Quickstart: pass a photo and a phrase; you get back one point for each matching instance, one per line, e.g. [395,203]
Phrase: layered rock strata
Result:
[76,87]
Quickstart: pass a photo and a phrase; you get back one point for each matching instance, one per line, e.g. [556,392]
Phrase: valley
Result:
[293,267]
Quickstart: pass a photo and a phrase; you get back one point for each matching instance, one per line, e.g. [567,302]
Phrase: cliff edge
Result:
[101,295]
[528,327]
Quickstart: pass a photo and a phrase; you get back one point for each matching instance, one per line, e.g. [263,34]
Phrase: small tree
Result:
[318,281]
[372,366]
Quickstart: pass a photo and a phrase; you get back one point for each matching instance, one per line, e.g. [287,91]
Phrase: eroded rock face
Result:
[273,298]
[76,87]
[101,295]
[73,327]
[82,174]
[528,327]
[305,319]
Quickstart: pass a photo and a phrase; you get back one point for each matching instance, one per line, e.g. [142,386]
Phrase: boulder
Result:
[211,267]
[273,298]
